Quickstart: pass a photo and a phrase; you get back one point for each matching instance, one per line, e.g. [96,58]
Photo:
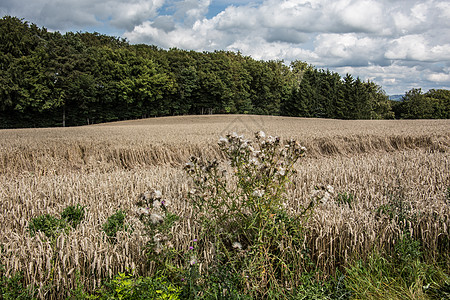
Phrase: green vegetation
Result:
[127,287]
[113,224]
[52,226]
[50,79]
[404,275]
[73,215]
[246,222]
[13,288]
[415,104]
[345,199]
[48,224]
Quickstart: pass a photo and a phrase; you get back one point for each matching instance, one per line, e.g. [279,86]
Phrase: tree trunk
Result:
[64,116]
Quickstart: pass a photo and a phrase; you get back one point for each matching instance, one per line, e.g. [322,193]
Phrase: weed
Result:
[154,212]
[345,199]
[244,216]
[403,276]
[398,209]
[73,215]
[113,224]
[13,287]
[48,224]
[127,287]
[52,226]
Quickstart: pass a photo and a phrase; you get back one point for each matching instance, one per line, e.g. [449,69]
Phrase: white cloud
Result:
[191,10]
[75,14]
[358,16]
[350,49]
[444,10]
[260,49]
[439,77]
[417,48]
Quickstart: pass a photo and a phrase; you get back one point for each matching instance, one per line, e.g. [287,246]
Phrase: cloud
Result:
[398,44]
[438,77]
[260,49]
[357,16]
[350,49]
[286,35]
[164,23]
[191,10]
[417,48]
[78,14]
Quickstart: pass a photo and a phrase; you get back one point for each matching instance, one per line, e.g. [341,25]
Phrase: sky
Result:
[398,44]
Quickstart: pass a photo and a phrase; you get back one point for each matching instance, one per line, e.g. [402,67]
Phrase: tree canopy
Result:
[53,79]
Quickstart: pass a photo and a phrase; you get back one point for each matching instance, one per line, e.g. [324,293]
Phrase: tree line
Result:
[53,79]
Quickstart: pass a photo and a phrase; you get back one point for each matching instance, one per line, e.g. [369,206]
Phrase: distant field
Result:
[106,167]
[171,140]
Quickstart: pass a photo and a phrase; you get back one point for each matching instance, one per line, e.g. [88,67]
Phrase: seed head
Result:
[156,194]
[237,245]
[258,193]
[223,141]
[156,219]
[260,135]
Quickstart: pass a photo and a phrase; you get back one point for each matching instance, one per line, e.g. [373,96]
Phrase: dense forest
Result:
[53,79]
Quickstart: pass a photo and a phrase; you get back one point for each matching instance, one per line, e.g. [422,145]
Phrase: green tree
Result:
[415,105]
[440,100]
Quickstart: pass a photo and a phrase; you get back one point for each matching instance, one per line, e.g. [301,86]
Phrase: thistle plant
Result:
[154,213]
[239,206]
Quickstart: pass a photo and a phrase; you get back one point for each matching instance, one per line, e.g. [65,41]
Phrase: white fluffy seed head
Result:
[156,194]
[156,219]
[330,189]
[223,141]
[258,193]
[237,245]
[260,135]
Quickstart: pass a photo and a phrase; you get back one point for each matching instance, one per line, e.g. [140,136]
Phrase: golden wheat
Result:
[106,167]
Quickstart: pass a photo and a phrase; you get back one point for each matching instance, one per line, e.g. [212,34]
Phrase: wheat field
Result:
[106,167]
